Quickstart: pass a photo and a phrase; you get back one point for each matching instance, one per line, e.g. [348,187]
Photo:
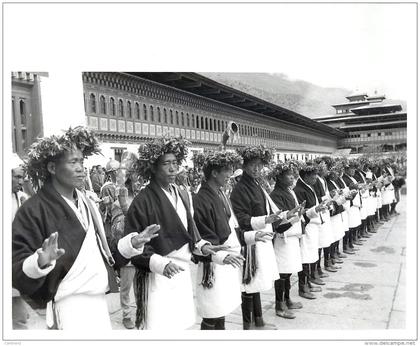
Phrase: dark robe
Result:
[359,176]
[303,192]
[248,200]
[152,206]
[285,201]
[349,182]
[40,216]
[337,208]
[211,215]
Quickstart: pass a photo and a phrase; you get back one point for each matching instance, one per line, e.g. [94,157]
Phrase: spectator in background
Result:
[97,179]
[19,309]
[126,191]
[108,195]
[398,183]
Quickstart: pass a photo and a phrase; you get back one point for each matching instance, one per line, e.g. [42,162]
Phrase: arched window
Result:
[188,120]
[218,125]
[145,112]
[92,103]
[152,116]
[159,116]
[112,106]
[102,104]
[214,124]
[211,124]
[165,116]
[137,111]
[202,123]
[192,120]
[197,123]
[182,119]
[177,118]
[171,115]
[130,114]
[121,108]
[22,107]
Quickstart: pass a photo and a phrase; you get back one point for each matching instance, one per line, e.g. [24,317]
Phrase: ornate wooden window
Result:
[112,106]
[144,112]
[92,103]
[152,115]
[102,104]
[121,108]
[130,114]
[137,111]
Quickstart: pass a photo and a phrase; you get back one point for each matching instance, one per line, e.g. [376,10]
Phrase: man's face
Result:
[222,176]
[165,170]
[310,179]
[68,171]
[17,179]
[287,179]
[350,171]
[182,178]
[253,168]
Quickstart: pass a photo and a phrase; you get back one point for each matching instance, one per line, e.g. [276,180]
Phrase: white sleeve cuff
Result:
[258,222]
[249,237]
[219,257]
[199,245]
[294,220]
[283,214]
[323,198]
[31,268]
[158,263]
[311,213]
[126,248]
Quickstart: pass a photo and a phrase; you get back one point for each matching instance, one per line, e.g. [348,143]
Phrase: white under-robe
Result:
[225,294]
[266,272]
[310,240]
[170,304]
[80,302]
[287,246]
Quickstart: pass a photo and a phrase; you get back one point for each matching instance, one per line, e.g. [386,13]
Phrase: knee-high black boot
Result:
[363,232]
[220,323]
[385,208]
[247,310]
[314,277]
[281,308]
[208,324]
[290,304]
[346,243]
[257,308]
[303,276]
[328,265]
[371,224]
[334,254]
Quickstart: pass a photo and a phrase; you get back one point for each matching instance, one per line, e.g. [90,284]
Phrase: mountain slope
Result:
[300,96]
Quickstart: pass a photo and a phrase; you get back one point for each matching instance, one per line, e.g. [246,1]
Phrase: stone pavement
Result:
[368,292]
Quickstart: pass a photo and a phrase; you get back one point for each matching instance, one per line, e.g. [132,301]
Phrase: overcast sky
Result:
[353,46]
[364,47]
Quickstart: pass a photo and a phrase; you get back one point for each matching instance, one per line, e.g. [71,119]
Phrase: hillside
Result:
[300,96]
